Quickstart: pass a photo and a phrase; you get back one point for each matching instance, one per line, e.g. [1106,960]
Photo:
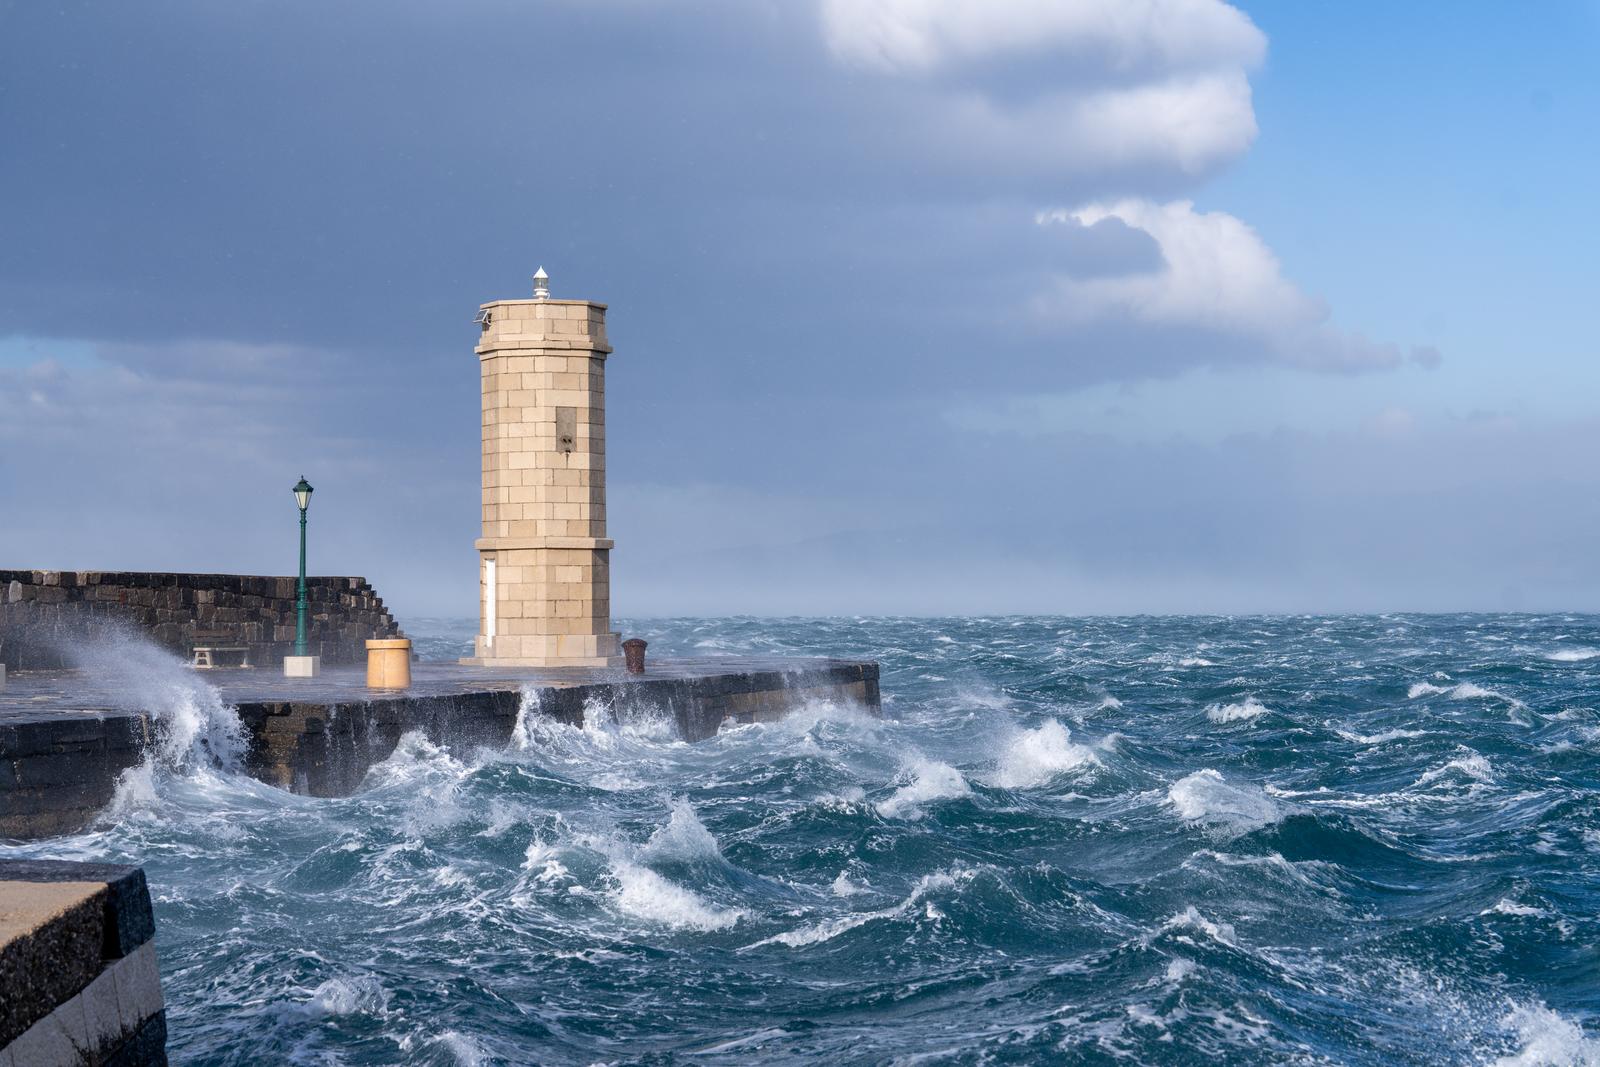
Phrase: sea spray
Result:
[645,893]
[194,728]
[929,781]
[747,894]
[1207,797]
[527,713]
[1244,710]
[1035,757]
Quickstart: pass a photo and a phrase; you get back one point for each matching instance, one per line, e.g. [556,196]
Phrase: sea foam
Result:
[645,894]
[930,781]
[1547,1039]
[1248,708]
[829,929]
[1206,797]
[683,838]
[346,996]
[1034,757]
[1460,691]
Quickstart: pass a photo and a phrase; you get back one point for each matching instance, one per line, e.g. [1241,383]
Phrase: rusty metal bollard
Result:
[633,650]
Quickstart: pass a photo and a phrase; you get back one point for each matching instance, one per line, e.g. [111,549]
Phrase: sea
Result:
[1190,840]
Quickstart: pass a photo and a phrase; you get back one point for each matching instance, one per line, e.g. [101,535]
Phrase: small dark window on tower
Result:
[566,429]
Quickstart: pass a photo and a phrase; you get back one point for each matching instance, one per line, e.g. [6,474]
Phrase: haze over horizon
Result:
[1111,307]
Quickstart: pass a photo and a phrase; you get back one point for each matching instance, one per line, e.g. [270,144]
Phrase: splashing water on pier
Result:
[194,728]
[1353,840]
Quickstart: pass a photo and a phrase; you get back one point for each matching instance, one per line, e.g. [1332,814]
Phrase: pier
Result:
[66,737]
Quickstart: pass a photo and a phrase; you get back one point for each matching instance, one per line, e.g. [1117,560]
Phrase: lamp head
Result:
[302,492]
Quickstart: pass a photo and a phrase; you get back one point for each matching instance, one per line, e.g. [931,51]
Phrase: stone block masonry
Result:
[65,737]
[79,985]
[544,558]
[45,613]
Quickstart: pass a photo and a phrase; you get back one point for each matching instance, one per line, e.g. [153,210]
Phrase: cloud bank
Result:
[820,227]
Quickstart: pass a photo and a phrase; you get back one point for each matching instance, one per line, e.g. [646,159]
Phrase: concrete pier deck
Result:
[65,737]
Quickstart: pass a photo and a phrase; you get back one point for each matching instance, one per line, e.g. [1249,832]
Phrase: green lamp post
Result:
[302,496]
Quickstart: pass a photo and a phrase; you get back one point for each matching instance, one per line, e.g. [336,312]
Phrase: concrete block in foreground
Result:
[79,986]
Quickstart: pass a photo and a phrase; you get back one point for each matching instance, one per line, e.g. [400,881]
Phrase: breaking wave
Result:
[1012,866]
[1248,708]
[1207,797]
[930,781]
[1035,757]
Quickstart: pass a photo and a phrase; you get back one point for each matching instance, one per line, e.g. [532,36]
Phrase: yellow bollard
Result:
[389,663]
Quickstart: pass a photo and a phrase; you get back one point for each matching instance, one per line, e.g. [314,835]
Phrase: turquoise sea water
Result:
[1366,840]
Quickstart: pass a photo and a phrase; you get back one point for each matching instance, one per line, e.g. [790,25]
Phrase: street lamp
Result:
[302,497]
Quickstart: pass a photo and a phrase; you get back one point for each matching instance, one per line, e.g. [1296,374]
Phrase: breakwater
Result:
[67,737]
[44,615]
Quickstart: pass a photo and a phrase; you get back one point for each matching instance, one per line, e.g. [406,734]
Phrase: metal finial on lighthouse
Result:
[541,285]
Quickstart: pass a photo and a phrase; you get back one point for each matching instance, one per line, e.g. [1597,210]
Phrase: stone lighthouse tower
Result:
[544,559]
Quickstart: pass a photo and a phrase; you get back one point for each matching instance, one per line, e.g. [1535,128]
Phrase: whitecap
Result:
[1547,1039]
[684,837]
[1460,691]
[843,887]
[1471,765]
[1573,655]
[1195,661]
[1506,906]
[1248,708]
[465,1049]
[345,996]
[829,929]
[846,800]
[1191,919]
[546,859]
[1033,757]
[1380,738]
[644,894]
[1206,797]
[930,781]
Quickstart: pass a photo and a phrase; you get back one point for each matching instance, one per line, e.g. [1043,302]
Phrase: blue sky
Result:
[1073,306]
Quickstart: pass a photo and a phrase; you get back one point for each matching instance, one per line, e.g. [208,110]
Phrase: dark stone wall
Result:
[44,612]
[58,769]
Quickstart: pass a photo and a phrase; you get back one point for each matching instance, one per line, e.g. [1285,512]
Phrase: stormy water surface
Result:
[1369,840]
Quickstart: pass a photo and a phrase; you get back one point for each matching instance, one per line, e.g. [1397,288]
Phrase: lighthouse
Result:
[544,561]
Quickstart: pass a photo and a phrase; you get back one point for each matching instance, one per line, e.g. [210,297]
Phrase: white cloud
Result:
[1119,83]
[924,35]
[1188,122]
[1217,276]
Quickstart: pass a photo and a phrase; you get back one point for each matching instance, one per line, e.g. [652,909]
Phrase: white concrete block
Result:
[100,1010]
[57,1040]
[302,666]
[138,986]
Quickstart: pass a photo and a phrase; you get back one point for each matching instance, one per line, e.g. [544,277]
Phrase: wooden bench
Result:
[208,649]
